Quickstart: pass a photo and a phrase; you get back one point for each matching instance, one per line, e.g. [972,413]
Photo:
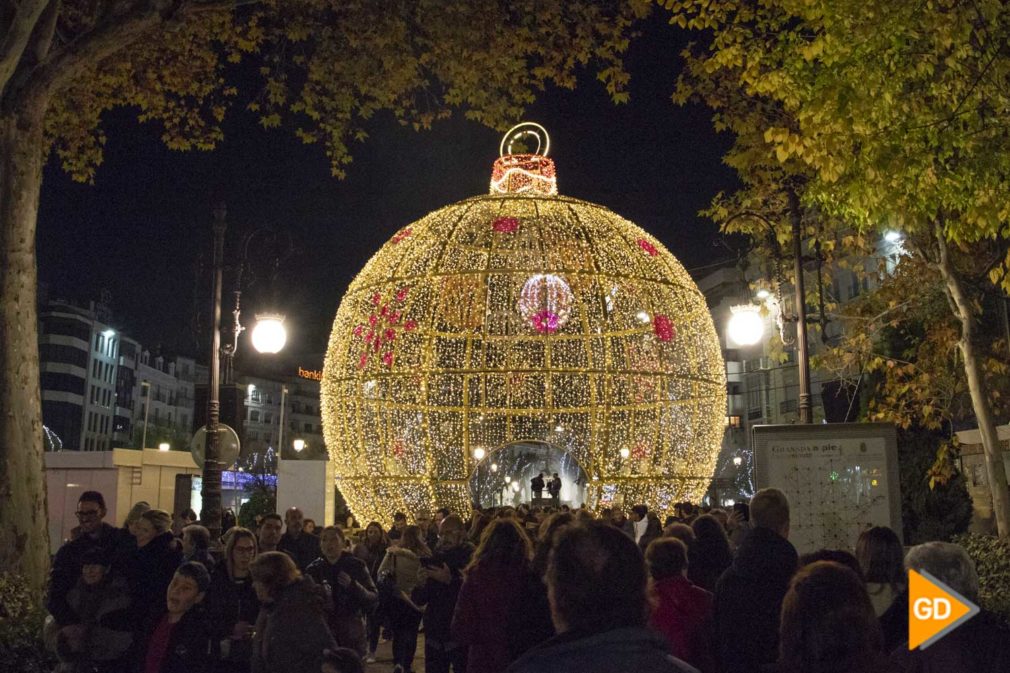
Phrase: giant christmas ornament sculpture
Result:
[522,316]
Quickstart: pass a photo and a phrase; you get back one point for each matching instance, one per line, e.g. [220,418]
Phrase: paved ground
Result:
[384,657]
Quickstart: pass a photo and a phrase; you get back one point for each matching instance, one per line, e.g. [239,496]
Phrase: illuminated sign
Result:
[313,374]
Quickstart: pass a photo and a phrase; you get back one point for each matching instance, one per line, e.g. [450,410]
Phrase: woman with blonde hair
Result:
[154,562]
[291,633]
[133,516]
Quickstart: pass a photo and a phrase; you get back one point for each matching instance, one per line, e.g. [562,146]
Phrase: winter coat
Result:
[304,549]
[498,615]
[348,606]
[706,564]
[189,648]
[980,645]
[404,565]
[748,600]
[150,572]
[682,613]
[104,609]
[440,599]
[67,565]
[371,558]
[291,631]
[894,622]
[227,603]
[620,650]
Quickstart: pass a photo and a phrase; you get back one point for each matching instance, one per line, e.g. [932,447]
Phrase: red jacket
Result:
[682,613]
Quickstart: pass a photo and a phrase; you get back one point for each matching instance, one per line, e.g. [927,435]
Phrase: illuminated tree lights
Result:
[500,318]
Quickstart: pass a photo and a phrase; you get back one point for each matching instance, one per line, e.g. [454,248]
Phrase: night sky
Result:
[139,230]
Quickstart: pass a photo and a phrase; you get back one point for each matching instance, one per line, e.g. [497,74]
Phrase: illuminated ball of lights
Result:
[545,302]
[746,326]
[497,320]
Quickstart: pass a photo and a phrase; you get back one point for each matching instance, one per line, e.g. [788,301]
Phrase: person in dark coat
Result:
[99,637]
[554,488]
[196,545]
[597,586]
[291,633]
[178,639]
[710,554]
[681,611]
[492,612]
[68,563]
[438,593]
[296,543]
[881,560]
[371,550]
[352,591]
[748,596]
[980,645]
[653,531]
[231,604]
[153,564]
[537,486]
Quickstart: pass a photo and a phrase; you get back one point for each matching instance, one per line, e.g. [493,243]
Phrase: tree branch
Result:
[42,38]
[14,42]
[116,32]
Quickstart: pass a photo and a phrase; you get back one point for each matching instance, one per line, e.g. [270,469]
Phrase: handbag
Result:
[391,601]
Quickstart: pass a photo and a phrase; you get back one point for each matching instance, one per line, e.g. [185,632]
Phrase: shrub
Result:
[992,560]
[21,620]
[261,501]
[928,514]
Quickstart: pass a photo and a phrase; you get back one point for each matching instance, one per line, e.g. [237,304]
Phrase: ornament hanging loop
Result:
[520,132]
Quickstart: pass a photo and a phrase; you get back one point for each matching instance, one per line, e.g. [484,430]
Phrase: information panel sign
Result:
[840,478]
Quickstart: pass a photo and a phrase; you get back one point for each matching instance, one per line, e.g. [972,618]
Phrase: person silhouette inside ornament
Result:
[554,488]
[537,486]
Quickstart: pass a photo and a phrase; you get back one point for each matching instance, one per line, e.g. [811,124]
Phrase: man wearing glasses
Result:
[94,533]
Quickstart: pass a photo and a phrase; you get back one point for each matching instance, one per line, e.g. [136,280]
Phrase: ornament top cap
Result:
[524,173]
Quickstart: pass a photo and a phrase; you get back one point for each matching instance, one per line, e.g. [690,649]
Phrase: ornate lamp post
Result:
[268,336]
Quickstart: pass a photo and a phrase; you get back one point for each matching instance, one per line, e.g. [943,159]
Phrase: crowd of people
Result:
[524,590]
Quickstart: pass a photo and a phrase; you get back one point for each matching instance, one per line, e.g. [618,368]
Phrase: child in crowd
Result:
[101,633]
[179,641]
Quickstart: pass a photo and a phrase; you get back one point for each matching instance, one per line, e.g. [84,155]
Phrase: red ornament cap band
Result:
[524,173]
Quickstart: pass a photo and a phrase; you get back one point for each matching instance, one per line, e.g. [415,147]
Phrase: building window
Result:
[732,421]
[268,418]
[788,406]
[66,383]
[308,427]
[254,415]
[69,355]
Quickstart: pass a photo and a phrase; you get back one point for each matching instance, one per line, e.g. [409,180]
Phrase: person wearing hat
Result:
[99,632]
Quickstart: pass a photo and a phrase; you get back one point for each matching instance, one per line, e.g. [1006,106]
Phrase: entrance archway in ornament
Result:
[503,476]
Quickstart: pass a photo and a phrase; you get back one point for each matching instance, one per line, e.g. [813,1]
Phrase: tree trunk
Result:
[24,538]
[995,471]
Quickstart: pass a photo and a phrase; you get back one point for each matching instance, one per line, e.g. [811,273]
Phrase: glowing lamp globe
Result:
[269,334]
[746,326]
[500,319]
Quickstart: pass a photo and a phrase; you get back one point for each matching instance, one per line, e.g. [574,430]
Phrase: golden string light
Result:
[503,317]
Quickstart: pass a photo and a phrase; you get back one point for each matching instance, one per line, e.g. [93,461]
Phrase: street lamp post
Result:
[269,337]
[800,317]
[210,509]
[805,410]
